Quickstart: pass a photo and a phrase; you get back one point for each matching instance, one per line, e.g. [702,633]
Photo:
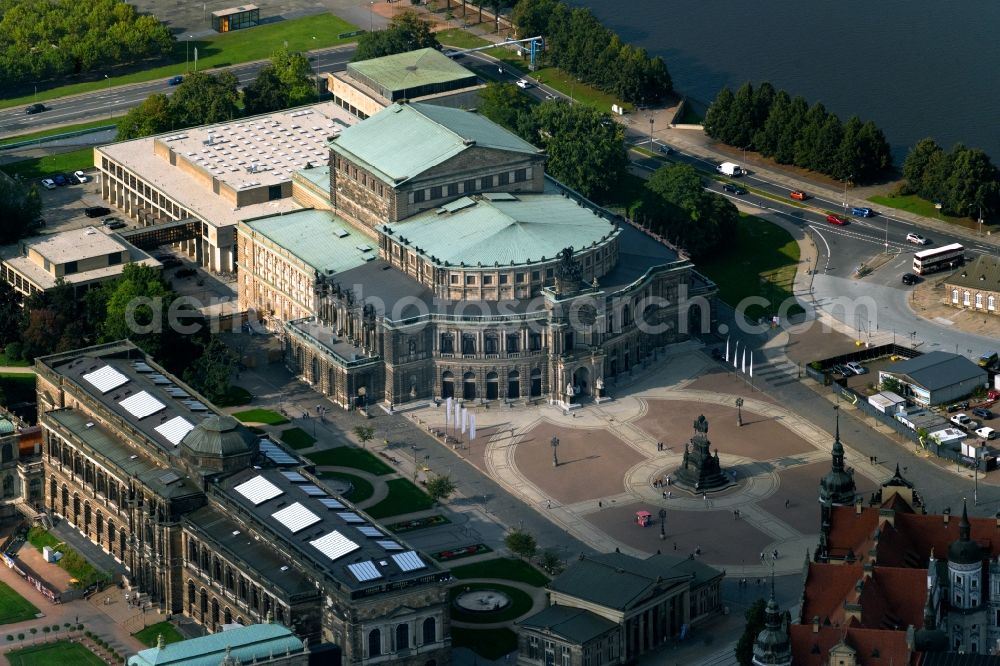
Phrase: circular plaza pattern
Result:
[482,601]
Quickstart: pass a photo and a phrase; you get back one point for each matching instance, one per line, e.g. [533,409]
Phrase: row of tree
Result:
[202,98]
[406,32]
[576,42]
[20,209]
[42,40]
[57,320]
[788,130]
[964,181]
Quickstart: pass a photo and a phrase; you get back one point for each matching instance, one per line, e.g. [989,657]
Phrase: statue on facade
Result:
[568,272]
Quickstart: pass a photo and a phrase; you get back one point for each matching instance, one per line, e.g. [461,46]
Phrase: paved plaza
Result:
[610,466]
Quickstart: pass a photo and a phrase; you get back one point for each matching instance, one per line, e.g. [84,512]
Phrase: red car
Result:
[836,219]
[798,195]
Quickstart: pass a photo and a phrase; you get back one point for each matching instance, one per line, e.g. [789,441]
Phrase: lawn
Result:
[301,34]
[361,489]
[4,361]
[506,568]
[460,39]
[151,634]
[762,263]
[297,438]
[914,204]
[404,497]
[567,84]
[487,643]
[235,396]
[349,456]
[265,416]
[40,167]
[63,129]
[58,653]
[72,562]
[14,607]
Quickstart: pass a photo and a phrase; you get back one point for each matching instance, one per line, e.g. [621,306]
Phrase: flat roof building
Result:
[80,257]
[235,18]
[217,175]
[368,86]
[937,377]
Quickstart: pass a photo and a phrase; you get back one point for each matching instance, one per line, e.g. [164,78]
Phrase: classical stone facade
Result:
[196,515]
[975,286]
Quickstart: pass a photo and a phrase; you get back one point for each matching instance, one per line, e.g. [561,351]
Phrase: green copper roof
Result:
[410,70]
[317,237]
[245,644]
[575,624]
[502,229]
[6,427]
[404,140]
[318,176]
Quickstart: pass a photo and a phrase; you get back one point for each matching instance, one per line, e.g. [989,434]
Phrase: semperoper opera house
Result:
[213,523]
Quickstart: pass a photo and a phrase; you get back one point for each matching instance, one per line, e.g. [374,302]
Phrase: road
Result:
[118,100]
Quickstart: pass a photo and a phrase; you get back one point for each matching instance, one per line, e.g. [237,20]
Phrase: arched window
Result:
[8,453]
[374,643]
[430,631]
[402,636]
[8,486]
[991,302]
[954,296]
[979,301]
[965,299]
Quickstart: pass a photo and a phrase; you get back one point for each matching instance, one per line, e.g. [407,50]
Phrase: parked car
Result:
[48,183]
[958,406]
[963,421]
[96,211]
[916,239]
[59,179]
[983,413]
[993,395]
[862,212]
[34,108]
[735,189]
[798,195]
[988,360]
[836,219]
[185,272]
[175,80]
[857,368]
[80,177]
[910,278]
[843,370]
[170,262]
[986,433]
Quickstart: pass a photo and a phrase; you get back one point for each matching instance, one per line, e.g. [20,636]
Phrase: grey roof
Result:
[405,140]
[318,238]
[502,229]
[219,435]
[616,580]
[242,644]
[412,70]
[955,659]
[983,274]
[937,370]
[576,625]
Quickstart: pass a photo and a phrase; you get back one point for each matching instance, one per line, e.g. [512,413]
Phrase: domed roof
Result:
[772,646]
[219,436]
[965,550]
[837,487]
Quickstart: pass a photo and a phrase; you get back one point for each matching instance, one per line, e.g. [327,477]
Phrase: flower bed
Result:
[458,553]
[419,523]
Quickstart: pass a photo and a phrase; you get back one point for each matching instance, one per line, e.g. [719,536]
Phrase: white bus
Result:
[938,259]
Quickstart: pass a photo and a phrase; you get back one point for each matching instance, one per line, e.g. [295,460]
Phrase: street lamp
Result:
[847,180]
[739,412]
[111,110]
[371,19]
[663,524]
[651,131]
[414,449]
[555,445]
[187,49]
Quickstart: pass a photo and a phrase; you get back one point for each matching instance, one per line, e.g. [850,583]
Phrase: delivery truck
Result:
[730,169]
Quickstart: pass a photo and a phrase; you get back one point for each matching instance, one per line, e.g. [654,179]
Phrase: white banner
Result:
[472,427]
[465,418]
[751,364]
[727,349]
[458,414]
[743,365]
[447,412]
[736,352]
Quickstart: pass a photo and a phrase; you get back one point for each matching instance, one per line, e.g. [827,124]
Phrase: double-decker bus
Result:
[939,259]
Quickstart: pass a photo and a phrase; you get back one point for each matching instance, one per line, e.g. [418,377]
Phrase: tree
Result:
[265,93]
[505,105]
[406,32]
[755,624]
[203,99]
[586,148]
[521,544]
[296,75]
[890,384]
[209,373]
[10,314]
[135,307]
[917,161]
[550,562]
[531,17]
[687,214]
[440,487]
[152,116]
[20,209]
[365,434]
[717,115]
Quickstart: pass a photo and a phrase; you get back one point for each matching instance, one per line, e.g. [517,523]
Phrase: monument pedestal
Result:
[700,472]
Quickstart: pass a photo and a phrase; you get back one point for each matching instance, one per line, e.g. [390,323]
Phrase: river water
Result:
[917,68]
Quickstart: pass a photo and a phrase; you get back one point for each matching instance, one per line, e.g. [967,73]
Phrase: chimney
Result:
[946,516]
[816,624]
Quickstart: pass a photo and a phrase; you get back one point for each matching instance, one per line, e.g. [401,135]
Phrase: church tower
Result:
[773,647]
[837,487]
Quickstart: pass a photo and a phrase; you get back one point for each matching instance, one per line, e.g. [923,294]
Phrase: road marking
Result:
[822,238]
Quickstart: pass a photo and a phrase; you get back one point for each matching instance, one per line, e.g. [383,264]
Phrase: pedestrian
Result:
[670,494]
[704,496]
[664,494]
[775,553]
[668,480]
[600,505]
[675,545]
[761,556]
[786,504]
[548,504]
[734,514]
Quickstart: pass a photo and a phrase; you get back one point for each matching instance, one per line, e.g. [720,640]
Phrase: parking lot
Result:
[63,207]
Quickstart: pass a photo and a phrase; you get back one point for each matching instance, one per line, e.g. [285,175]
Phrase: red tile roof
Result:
[812,649]
[894,598]
[852,531]
[826,588]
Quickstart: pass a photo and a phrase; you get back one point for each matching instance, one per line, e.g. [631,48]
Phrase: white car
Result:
[963,421]
[916,239]
[857,368]
[523,84]
[48,183]
[986,433]
[81,177]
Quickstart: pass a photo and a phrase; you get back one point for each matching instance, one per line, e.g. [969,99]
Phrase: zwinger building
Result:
[445,262]
[211,522]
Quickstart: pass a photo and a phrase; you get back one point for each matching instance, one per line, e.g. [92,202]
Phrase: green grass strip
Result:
[56,131]
[297,438]
[404,497]
[360,488]
[14,607]
[505,568]
[151,634]
[265,416]
[225,50]
[41,167]
[59,653]
[349,456]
